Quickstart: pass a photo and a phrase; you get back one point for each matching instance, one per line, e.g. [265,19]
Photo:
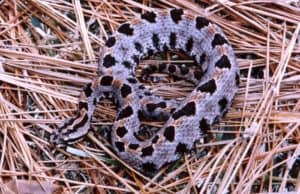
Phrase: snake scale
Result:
[185,121]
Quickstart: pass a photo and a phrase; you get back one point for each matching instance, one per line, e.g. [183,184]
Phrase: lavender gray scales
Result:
[216,85]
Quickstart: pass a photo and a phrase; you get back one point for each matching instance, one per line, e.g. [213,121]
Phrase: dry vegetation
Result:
[49,51]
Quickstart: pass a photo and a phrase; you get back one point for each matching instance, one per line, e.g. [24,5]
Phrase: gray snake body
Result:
[216,85]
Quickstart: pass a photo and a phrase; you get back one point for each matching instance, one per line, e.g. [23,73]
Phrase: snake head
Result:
[70,131]
[57,138]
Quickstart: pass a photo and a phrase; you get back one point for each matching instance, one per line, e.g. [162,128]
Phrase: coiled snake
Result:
[216,84]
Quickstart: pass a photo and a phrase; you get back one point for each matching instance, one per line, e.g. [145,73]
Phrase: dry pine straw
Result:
[49,50]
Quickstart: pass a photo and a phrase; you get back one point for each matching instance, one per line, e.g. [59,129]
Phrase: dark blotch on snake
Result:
[198,74]
[127,64]
[189,44]
[83,105]
[110,41]
[223,62]
[133,146]
[209,87]
[126,29]
[203,125]
[149,16]
[176,15]
[109,61]
[223,103]
[155,41]
[155,139]
[121,131]
[169,133]
[149,167]
[181,148]
[125,90]
[124,113]
[188,110]
[147,151]
[106,80]
[138,46]
[120,146]
[88,90]
[201,22]
[218,40]
[173,40]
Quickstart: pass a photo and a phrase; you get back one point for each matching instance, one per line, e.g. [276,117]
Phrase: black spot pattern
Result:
[141,87]
[188,110]
[223,103]
[140,115]
[149,16]
[83,105]
[203,125]
[223,62]
[172,68]
[162,104]
[201,22]
[169,133]
[125,90]
[189,44]
[109,61]
[181,148]
[121,131]
[138,46]
[198,74]
[218,40]
[120,146]
[176,15]
[165,47]
[155,40]
[136,59]
[132,80]
[126,29]
[133,146]
[124,113]
[110,41]
[150,52]
[147,151]
[88,90]
[173,40]
[209,87]
[202,58]
[148,167]
[147,93]
[106,80]
[126,64]
[95,101]
[155,139]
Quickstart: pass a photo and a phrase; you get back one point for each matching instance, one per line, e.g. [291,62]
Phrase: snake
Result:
[216,82]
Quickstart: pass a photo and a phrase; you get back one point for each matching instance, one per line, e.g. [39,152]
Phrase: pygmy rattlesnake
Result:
[216,85]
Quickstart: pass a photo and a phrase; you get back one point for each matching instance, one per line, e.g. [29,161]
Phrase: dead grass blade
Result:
[49,51]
